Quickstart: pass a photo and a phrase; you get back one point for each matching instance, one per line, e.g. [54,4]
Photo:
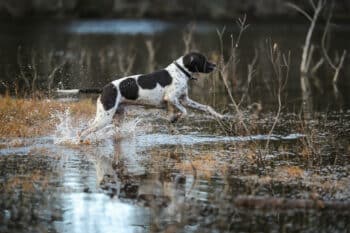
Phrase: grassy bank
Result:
[34,117]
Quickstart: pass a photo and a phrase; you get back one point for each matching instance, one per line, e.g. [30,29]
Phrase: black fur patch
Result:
[149,81]
[129,89]
[196,62]
[109,96]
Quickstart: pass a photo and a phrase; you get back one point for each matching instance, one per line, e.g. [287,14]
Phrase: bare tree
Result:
[307,54]
[335,66]
[308,48]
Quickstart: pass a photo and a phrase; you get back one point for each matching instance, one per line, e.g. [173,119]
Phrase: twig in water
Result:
[251,75]
[225,69]
[281,66]
[242,24]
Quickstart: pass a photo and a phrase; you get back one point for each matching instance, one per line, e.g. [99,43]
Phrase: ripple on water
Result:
[65,135]
[149,140]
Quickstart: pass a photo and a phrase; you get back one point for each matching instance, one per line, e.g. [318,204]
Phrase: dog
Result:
[167,86]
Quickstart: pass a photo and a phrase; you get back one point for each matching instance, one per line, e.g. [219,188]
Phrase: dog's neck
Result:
[179,66]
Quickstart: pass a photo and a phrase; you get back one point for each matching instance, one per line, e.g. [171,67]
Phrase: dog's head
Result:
[197,63]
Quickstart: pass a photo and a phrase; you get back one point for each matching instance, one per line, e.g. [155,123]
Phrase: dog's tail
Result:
[78,91]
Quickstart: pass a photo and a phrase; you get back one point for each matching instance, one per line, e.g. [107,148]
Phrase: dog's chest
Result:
[179,85]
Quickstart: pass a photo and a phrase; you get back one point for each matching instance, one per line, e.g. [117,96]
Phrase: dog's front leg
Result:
[205,108]
[175,103]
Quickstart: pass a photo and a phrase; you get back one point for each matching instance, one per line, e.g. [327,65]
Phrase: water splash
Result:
[65,131]
[68,130]
[129,128]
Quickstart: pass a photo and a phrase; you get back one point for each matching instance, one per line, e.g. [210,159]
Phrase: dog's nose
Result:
[212,66]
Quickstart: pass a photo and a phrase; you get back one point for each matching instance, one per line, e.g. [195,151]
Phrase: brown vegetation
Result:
[27,183]
[204,165]
[284,203]
[33,117]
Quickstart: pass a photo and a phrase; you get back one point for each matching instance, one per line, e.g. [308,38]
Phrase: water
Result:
[144,174]
[89,54]
[146,181]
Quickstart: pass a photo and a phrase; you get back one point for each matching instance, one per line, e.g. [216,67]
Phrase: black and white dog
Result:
[169,85]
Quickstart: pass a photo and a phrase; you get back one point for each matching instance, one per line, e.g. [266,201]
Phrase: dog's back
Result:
[147,89]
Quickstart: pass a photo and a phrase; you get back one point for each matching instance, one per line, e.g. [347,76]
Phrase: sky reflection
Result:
[97,212]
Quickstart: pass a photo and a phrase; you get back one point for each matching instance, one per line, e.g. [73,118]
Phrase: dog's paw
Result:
[224,117]
[174,118]
[221,117]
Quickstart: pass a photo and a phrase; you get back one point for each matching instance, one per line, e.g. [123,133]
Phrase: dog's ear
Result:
[189,61]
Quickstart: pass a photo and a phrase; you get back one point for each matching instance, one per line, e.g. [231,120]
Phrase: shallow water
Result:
[147,181]
[147,175]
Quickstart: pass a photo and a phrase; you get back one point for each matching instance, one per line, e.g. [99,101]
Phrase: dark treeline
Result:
[171,9]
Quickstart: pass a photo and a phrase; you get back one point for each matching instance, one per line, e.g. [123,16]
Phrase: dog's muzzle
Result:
[210,67]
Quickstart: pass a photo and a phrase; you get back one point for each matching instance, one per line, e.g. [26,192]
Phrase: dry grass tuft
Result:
[290,172]
[206,165]
[27,183]
[33,117]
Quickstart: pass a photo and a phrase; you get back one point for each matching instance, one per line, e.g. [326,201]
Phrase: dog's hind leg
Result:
[107,105]
[102,119]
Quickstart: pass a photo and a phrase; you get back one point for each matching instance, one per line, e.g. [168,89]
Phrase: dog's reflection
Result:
[122,173]
[116,159]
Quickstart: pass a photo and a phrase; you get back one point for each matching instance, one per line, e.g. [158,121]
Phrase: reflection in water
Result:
[117,27]
[132,186]
[99,213]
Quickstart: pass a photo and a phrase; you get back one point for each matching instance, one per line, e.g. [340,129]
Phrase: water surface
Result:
[153,176]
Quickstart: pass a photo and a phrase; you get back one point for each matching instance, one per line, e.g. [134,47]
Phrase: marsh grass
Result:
[34,117]
[28,183]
